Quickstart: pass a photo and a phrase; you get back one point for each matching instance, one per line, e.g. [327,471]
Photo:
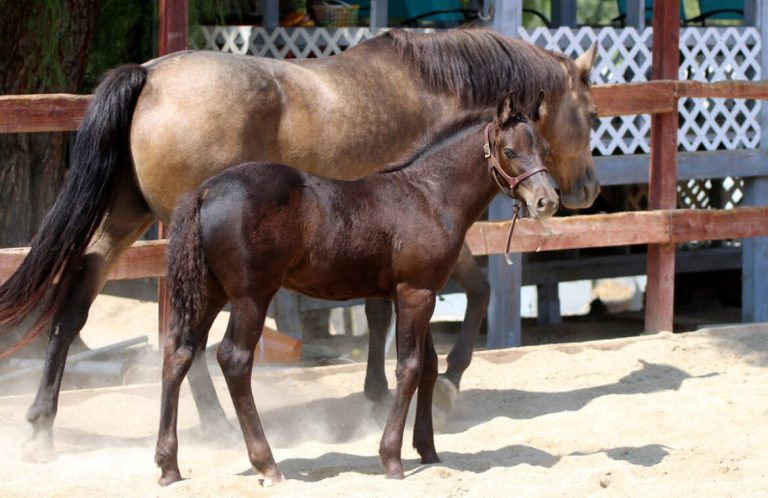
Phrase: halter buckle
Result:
[487,150]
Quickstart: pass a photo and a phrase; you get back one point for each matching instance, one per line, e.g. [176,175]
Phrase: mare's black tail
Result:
[41,283]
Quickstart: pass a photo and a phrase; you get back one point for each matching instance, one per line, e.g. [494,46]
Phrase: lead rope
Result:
[516,204]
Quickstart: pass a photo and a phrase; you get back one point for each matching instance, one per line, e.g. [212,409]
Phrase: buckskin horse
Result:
[155,131]
[260,226]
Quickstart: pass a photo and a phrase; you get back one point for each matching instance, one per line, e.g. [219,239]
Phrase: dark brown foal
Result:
[395,235]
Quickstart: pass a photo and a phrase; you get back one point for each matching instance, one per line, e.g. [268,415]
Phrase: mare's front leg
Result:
[471,278]
[414,309]
[179,351]
[379,315]
[235,356]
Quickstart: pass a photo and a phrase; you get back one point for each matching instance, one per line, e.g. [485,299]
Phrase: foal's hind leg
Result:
[379,315]
[235,356]
[129,218]
[179,351]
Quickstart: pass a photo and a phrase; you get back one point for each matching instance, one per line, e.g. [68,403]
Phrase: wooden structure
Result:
[660,228]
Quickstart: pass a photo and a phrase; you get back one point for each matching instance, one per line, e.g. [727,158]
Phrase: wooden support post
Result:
[754,262]
[662,181]
[548,304]
[504,328]
[563,13]
[635,14]
[270,13]
[174,26]
[379,14]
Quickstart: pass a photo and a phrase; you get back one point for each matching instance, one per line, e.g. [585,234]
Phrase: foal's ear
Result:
[505,110]
[539,108]
[585,61]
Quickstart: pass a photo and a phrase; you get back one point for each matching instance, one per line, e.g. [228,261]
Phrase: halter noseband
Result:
[498,174]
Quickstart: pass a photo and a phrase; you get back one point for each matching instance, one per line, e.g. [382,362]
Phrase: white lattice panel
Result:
[282,43]
[714,54]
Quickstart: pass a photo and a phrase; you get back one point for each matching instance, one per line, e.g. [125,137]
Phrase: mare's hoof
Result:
[169,477]
[378,394]
[271,479]
[395,474]
[221,434]
[443,399]
[38,449]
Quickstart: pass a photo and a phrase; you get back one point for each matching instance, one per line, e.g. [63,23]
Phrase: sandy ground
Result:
[665,415]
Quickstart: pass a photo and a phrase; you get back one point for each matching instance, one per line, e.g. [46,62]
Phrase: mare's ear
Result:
[539,108]
[584,62]
[505,110]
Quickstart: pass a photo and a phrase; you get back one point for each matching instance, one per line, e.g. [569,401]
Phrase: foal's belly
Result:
[340,281]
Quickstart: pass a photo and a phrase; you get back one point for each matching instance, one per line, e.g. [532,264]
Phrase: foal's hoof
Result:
[443,399]
[38,449]
[169,477]
[396,474]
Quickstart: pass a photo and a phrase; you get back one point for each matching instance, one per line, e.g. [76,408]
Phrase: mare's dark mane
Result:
[439,135]
[479,66]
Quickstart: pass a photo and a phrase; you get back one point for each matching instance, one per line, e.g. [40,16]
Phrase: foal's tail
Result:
[187,271]
[39,286]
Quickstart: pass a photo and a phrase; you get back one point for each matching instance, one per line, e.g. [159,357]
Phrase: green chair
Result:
[719,9]
[622,18]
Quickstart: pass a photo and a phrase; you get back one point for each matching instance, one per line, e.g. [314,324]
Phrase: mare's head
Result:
[567,127]
[520,149]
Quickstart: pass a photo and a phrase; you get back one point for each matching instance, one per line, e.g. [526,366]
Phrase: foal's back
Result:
[283,227]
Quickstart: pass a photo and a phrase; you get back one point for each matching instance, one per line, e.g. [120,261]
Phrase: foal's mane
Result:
[479,66]
[439,135]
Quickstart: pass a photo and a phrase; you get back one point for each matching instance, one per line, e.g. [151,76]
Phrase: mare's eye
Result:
[511,154]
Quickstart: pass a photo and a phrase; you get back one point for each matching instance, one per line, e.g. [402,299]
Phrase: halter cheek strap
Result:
[507,184]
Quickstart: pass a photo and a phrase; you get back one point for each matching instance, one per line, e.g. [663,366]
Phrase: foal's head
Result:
[519,148]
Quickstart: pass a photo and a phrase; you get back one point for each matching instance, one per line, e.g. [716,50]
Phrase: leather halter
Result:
[498,174]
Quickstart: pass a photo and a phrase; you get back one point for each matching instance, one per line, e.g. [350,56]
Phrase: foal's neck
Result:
[455,176]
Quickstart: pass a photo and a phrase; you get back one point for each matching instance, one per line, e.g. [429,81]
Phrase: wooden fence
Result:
[661,228]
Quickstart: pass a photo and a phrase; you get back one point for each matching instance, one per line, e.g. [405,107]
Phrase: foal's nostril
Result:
[541,204]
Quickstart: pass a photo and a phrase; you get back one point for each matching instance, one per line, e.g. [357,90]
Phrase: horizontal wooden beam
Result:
[632,169]
[605,230]
[147,258]
[45,112]
[63,112]
[652,97]
[143,259]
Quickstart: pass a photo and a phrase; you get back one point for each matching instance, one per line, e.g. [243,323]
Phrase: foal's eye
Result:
[511,154]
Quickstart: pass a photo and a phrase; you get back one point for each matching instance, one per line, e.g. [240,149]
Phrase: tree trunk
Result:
[44,46]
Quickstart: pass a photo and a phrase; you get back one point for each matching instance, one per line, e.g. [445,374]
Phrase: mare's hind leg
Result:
[471,278]
[423,431]
[235,356]
[179,351]
[379,315]
[129,218]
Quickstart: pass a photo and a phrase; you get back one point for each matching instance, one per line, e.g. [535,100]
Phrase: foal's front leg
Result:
[414,309]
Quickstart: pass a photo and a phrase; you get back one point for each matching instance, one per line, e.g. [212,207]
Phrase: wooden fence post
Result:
[662,181]
[174,27]
[506,282]
[754,259]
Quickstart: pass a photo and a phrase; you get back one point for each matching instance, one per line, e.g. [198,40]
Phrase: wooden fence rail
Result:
[147,258]
[63,112]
